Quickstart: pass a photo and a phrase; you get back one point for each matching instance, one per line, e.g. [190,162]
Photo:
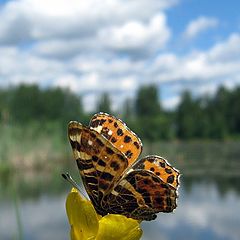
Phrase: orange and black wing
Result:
[116,131]
[100,164]
[106,154]
[140,195]
[161,168]
[146,189]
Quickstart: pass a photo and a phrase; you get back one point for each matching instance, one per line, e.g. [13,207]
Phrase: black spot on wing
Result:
[127,139]
[109,151]
[136,144]
[119,132]
[107,176]
[114,165]
[75,145]
[168,170]
[83,165]
[101,163]
[170,179]
[128,154]
[99,142]
[162,164]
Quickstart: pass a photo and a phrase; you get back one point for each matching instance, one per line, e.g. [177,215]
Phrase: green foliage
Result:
[190,118]
[153,129]
[29,103]
[49,111]
[208,117]
[234,112]
[4,105]
[36,146]
[128,109]
[151,122]
[104,104]
[26,103]
[147,102]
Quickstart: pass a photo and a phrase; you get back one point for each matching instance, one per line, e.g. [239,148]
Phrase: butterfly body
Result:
[106,153]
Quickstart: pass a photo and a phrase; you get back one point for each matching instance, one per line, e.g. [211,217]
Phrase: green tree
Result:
[25,103]
[218,114]
[128,110]
[152,123]
[104,103]
[61,105]
[72,108]
[29,103]
[4,105]
[147,101]
[185,117]
[203,117]
[234,112]
[202,123]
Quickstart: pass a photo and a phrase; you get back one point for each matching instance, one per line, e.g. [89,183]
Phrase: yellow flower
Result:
[86,224]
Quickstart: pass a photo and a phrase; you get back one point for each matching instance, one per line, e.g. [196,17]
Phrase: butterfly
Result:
[115,180]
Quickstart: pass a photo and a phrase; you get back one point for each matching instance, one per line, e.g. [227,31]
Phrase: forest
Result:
[205,117]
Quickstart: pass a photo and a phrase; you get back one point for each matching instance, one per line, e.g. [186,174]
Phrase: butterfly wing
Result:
[146,189]
[116,131]
[141,194]
[100,164]
[161,168]
[106,154]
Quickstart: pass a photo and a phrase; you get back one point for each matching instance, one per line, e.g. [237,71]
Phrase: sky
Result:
[116,46]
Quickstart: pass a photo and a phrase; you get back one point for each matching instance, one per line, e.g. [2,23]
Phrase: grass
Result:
[32,147]
[44,147]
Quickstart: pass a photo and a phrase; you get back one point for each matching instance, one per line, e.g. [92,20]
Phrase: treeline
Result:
[25,104]
[208,117]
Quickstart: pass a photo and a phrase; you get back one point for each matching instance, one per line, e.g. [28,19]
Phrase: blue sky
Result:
[226,11]
[115,46]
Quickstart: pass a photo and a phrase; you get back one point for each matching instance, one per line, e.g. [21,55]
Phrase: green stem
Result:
[18,216]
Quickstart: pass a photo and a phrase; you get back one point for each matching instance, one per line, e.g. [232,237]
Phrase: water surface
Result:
[208,204]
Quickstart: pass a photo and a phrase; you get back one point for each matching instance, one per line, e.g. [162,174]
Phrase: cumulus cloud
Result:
[135,36]
[91,48]
[226,51]
[59,19]
[121,77]
[62,30]
[199,25]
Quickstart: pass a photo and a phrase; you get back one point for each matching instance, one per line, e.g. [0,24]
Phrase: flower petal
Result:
[82,217]
[114,226]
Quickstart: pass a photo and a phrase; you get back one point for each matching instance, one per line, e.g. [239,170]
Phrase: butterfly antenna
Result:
[69,178]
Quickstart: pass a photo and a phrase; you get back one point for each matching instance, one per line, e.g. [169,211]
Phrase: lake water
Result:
[208,204]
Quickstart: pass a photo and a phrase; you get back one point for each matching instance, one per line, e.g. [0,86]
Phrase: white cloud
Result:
[108,50]
[20,66]
[35,20]
[226,51]
[216,63]
[136,36]
[199,25]
[121,77]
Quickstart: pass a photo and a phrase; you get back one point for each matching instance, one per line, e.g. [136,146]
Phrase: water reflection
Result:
[203,213]
[42,218]
[207,208]
[222,184]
